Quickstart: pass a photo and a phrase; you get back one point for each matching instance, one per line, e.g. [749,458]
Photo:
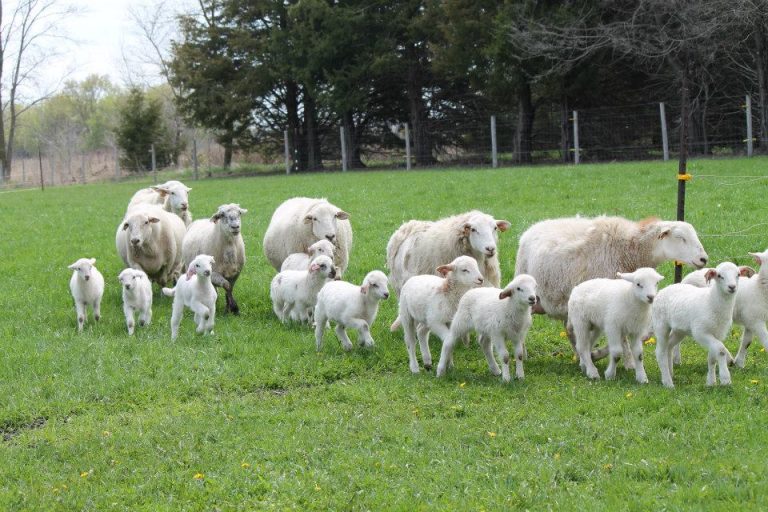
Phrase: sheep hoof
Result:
[428,367]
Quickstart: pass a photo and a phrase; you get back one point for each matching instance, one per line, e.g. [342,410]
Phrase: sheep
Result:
[704,313]
[495,315]
[137,296]
[299,222]
[172,196]
[350,306]
[87,287]
[294,292]
[197,293]
[220,236]
[751,308]
[150,239]
[300,260]
[430,302]
[617,307]
[419,247]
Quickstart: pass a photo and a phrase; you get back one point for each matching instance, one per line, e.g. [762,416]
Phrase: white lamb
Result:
[299,222]
[294,292]
[350,306]
[704,313]
[620,308]
[87,287]
[699,277]
[172,196]
[221,237]
[428,303]
[301,260]
[751,309]
[137,296]
[419,247]
[495,315]
[197,293]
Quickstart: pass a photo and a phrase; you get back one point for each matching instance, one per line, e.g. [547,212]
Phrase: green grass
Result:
[103,421]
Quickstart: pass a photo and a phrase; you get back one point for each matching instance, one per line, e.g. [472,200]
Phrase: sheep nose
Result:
[532,300]
[703,261]
[650,299]
[184,206]
[127,287]
[87,278]
[731,288]
[490,251]
[386,295]
[135,241]
[330,237]
[207,273]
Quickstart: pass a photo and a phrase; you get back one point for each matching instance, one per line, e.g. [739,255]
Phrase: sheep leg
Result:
[221,282]
[616,349]
[341,333]
[176,314]
[319,329]
[717,357]
[586,336]
[744,342]
[446,353]
[637,354]
[81,314]
[145,317]
[501,349]
[202,315]
[364,337]
[487,347]
[629,360]
[676,359]
[409,332]
[211,319]
[666,341]
[520,355]
[128,311]
[97,309]
[422,333]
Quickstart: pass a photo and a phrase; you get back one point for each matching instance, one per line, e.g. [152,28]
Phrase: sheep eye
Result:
[466,271]
[474,230]
[519,289]
[374,285]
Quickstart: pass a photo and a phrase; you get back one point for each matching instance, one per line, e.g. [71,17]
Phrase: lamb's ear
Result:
[160,190]
[506,293]
[756,257]
[216,216]
[242,210]
[625,276]
[467,227]
[364,289]
[444,269]
[503,225]
[659,277]
[314,267]
[154,220]
[308,219]
[189,189]
[746,271]
[664,233]
[72,266]
[125,226]
[710,275]
[191,271]
[92,261]
[342,215]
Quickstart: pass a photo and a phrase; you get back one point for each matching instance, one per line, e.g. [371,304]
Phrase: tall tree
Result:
[140,128]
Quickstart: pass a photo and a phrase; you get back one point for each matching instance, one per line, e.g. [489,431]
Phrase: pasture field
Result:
[253,418]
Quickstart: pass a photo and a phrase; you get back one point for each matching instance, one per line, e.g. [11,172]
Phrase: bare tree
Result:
[25,33]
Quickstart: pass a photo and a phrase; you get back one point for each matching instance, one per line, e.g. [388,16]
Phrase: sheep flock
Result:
[596,275]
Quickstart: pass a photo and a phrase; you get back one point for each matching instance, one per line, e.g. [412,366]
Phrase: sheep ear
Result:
[243,210]
[212,260]
[72,266]
[746,271]
[467,227]
[664,233]
[342,215]
[314,267]
[364,289]
[505,294]
[710,275]
[160,190]
[189,189]
[216,217]
[756,257]
[190,272]
[308,219]
[444,269]
[503,225]
[154,220]
[125,226]
[659,277]
[92,261]
[625,276]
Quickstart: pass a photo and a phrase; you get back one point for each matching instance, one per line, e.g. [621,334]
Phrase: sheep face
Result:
[725,276]
[482,232]
[323,265]
[679,241]
[129,278]
[139,228]
[83,267]
[375,284]
[322,219]
[465,271]
[521,289]
[645,283]
[228,218]
[176,192]
[321,248]
[202,265]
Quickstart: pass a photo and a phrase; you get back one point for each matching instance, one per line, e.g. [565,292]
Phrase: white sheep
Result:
[699,277]
[620,308]
[704,313]
[299,222]
[495,315]
[751,309]
[172,196]
[221,237]
[300,260]
[137,296]
[294,292]
[196,292]
[350,306]
[419,247]
[149,239]
[87,287]
[428,303]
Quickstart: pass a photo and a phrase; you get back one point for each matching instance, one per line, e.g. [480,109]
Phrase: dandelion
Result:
[608,466]
[629,395]
[106,433]
[245,465]
[84,474]
[557,456]
[462,384]
[491,434]
[762,349]
[754,381]
[317,487]
[650,341]
[563,334]
[198,476]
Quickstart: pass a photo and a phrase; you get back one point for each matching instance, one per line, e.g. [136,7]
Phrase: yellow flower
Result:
[106,433]
[84,474]
[198,476]
[563,334]
[755,381]
[630,395]
[462,384]
[608,466]
[245,465]
[491,434]
[762,349]
[557,456]
[650,341]
[317,487]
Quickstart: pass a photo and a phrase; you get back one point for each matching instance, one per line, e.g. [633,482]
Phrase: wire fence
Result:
[723,126]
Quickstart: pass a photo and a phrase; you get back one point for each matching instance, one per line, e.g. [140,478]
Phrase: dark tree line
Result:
[250,70]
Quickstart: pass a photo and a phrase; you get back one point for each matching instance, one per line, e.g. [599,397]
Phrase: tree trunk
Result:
[352,141]
[525,114]
[762,88]
[314,157]
[422,142]
[294,130]
[565,132]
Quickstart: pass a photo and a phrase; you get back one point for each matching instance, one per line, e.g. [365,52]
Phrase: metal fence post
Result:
[749,126]
[194,159]
[287,152]
[576,155]
[494,148]
[154,163]
[407,148]
[664,139]
[117,162]
[343,149]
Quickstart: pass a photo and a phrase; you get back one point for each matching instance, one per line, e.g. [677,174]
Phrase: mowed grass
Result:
[253,418]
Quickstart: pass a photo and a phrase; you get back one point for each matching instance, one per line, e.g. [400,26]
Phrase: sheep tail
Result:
[169,292]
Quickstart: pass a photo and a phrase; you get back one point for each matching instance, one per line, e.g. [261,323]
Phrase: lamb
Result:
[197,293]
[619,308]
[220,236]
[294,292]
[87,287]
[704,313]
[495,315]
[699,277]
[751,308]
[299,222]
[419,247]
[150,239]
[137,296]
[300,260]
[350,306]
[430,302]
[172,196]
